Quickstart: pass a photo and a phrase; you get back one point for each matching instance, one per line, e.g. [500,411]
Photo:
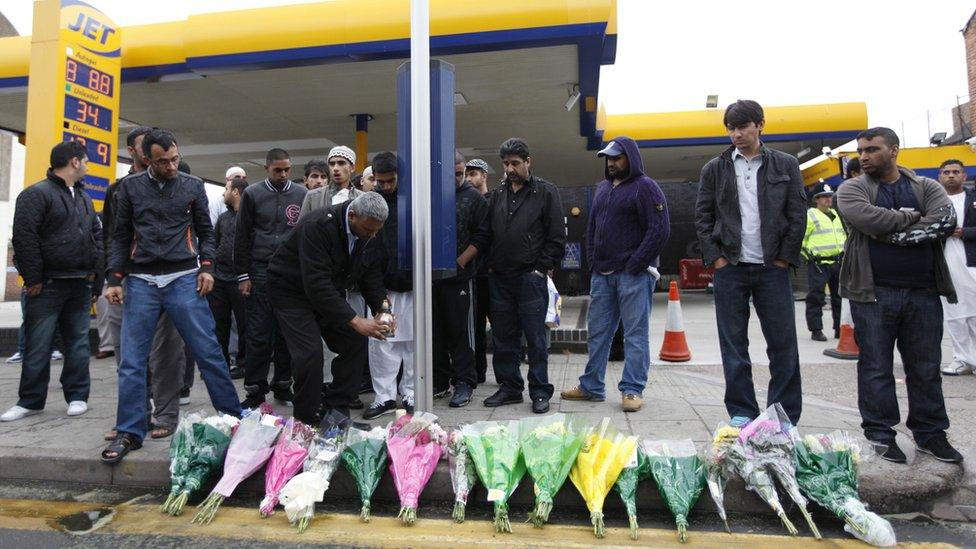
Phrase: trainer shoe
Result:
[632,403]
[284,396]
[77,407]
[408,405]
[577,393]
[462,395]
[441,393]
[503,397]
[957,368]
[739,422]
[940,449]
[236,372]
[818,335]
[378,409]
[184,397]
[15,358]
[18,412]
[252,401]
[56,356]
[540,405]
[889,451]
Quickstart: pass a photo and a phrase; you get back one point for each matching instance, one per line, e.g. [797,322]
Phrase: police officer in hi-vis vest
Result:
[823,246]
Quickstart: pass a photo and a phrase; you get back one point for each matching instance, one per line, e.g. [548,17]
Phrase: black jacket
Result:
[313,269]
[224,233]
[969,228]
[265,219]
[532,237]
[471,210]
[782,209]
[395,279]
[160,230]
[55,234]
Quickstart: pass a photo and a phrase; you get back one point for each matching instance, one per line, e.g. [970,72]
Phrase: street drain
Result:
[85,521]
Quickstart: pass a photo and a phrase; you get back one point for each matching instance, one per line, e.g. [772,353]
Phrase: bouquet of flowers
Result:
[415,444]
[680,477]
[826,469]
[497,455]
[197,450]
[768,442]
[286,461]
[597,467]
[549,447]
[365,458]
[637,469]
[305,489]
[463,475]
[718,468]
[739,458]
[249,450]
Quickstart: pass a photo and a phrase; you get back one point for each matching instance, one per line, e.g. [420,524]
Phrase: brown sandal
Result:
[161,432]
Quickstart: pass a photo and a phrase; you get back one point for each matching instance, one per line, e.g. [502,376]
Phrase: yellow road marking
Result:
[382,532]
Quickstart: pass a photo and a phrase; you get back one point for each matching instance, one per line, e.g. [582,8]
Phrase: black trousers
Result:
[265,342]
[226,299]
[304,331]
[453,319]
[820,275]
[482,315]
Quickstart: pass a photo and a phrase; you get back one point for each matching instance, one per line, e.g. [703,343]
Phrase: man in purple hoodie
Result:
[627,230]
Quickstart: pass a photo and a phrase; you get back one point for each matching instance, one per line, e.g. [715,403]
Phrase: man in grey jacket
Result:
[341,165]
[893,273]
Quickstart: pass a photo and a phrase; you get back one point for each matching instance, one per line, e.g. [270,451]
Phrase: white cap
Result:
[342,151]
[235,171]
[612,149]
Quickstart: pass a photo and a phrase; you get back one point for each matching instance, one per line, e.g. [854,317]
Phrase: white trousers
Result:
[962,331]
[387,357]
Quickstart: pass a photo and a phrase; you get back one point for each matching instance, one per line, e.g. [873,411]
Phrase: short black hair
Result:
[853,165]
[951,161]
[276,154]
[135,133]
[889,135]
[514,146]
[458,157]
[384,162]
[63,152]
[357,181]
[156,136]
[320,166]
[238,184]
[184,167]
[742,112]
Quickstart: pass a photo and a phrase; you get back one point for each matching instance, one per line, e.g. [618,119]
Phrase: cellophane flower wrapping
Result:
[679,475]
[637,469]
[718,468]
[497,455]
[179,457]
[307,488]
[415,444]
[365,458]
[549,448]
[598,464]
[249,450]
[463,474]
[826,469]
[740,460]
[769,443]
[286,461]
[207,439]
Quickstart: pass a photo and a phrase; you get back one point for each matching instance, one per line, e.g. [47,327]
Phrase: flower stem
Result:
[786,522]
[303,524]
[633,526]
[177,508]
[809,519]
[857,527]
[208,508]
[683,533]
[364,512]
[501,519]
[596,517]
[408,515]
[540,515]
[458,514]
[166,504]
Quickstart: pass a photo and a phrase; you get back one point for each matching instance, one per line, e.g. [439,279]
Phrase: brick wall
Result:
[969,35]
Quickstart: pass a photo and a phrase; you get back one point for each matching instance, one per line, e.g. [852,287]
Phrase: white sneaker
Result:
[18,412]
[77,407]
[184,401]
[956,368]
[56,356]
[15,358]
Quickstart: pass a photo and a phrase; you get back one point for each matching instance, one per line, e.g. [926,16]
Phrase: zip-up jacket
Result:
[322,197]
[471,211]
[969,228]
[314,269]
[527,236]
[224,233]
[266,217]
[395,279]
[161,227]
[55,234]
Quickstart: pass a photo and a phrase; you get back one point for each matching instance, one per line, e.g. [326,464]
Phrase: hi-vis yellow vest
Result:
[824,238]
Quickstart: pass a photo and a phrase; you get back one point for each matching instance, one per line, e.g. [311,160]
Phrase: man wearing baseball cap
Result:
[823,246]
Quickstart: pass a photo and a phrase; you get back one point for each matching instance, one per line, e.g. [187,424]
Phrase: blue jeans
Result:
[616,297]
[518,307]
[772,295]
[62,306]
[912,320]
[22,333]
[191,315]
[264,340]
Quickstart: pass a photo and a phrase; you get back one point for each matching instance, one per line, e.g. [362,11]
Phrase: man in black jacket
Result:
[960,255]
[163,253]
[57,238]
[750,218]
[226,297]
[331,251]
[527,238]
[267,216]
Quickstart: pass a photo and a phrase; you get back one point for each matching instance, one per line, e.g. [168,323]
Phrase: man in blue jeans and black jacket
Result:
[162,260]
[750,217]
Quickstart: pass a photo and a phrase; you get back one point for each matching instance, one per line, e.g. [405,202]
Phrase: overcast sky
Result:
[905,59]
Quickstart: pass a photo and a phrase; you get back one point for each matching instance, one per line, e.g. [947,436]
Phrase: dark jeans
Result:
[772,296]
[912,320]
[22,333]
[482,314]
[818,276]
[62,306]
[453,322]
[518,307]
[264,341]
[226,299]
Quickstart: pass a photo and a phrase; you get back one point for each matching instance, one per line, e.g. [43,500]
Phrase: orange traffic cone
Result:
[846,347]
[675,347]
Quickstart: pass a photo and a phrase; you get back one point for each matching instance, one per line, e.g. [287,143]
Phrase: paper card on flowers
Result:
[496,494]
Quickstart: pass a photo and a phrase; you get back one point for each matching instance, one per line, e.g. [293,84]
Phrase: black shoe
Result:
[462,395]
[836,333]
[503,397]
[237,373]
[540,405]
[889,451]
[283,395]
[441,393]
[940,449]
[252,401]
[356,404]
[366,387]
[377,409]
[818,335]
